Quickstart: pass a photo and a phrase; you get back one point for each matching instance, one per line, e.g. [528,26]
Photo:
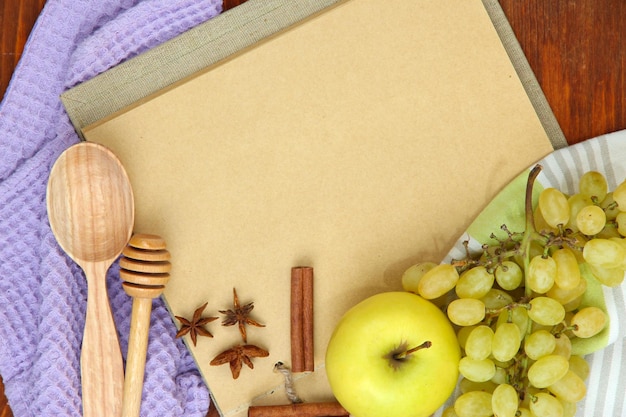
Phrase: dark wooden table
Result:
[575,49]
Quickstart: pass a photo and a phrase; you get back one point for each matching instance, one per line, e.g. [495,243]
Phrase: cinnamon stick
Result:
[307,320]
[326,409]
[302,349]
[297,351]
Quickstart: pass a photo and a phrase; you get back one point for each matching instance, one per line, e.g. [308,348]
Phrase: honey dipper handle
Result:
[137,346]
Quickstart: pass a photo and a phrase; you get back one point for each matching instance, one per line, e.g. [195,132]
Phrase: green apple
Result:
[394,354]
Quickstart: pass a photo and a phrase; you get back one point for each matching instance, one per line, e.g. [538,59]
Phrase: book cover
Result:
[359,141]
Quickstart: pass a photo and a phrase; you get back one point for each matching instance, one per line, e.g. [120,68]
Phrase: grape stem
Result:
[530,232]
[493,312]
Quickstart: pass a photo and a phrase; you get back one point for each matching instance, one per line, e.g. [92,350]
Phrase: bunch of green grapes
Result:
[517,303]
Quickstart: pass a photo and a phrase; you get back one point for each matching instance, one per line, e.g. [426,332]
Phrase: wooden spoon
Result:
[91,212]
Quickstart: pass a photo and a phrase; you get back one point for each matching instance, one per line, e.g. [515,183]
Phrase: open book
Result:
[358,138]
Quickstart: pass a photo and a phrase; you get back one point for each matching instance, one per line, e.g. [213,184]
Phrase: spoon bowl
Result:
[91,212]
[90,203]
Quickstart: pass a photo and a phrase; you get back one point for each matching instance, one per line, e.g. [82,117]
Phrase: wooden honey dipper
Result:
[144,268]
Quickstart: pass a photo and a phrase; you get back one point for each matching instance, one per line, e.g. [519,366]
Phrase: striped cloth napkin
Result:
[605,352]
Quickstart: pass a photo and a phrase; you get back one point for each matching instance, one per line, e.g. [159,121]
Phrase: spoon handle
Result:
[102,368]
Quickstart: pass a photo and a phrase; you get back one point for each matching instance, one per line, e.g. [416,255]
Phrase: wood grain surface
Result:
[17,18]
[574,48]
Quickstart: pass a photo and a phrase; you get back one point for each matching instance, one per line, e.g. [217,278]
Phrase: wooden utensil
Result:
[91,212]
[145,268]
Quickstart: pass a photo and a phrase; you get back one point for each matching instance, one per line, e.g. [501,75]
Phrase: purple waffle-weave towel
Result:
[42,292]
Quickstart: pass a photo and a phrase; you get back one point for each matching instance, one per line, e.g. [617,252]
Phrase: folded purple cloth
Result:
[42,292]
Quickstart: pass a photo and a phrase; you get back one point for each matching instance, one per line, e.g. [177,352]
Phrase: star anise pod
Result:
[239,315]
[237,356]
[195,327]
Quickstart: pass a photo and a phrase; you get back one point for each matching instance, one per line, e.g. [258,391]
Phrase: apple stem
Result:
[403,355]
